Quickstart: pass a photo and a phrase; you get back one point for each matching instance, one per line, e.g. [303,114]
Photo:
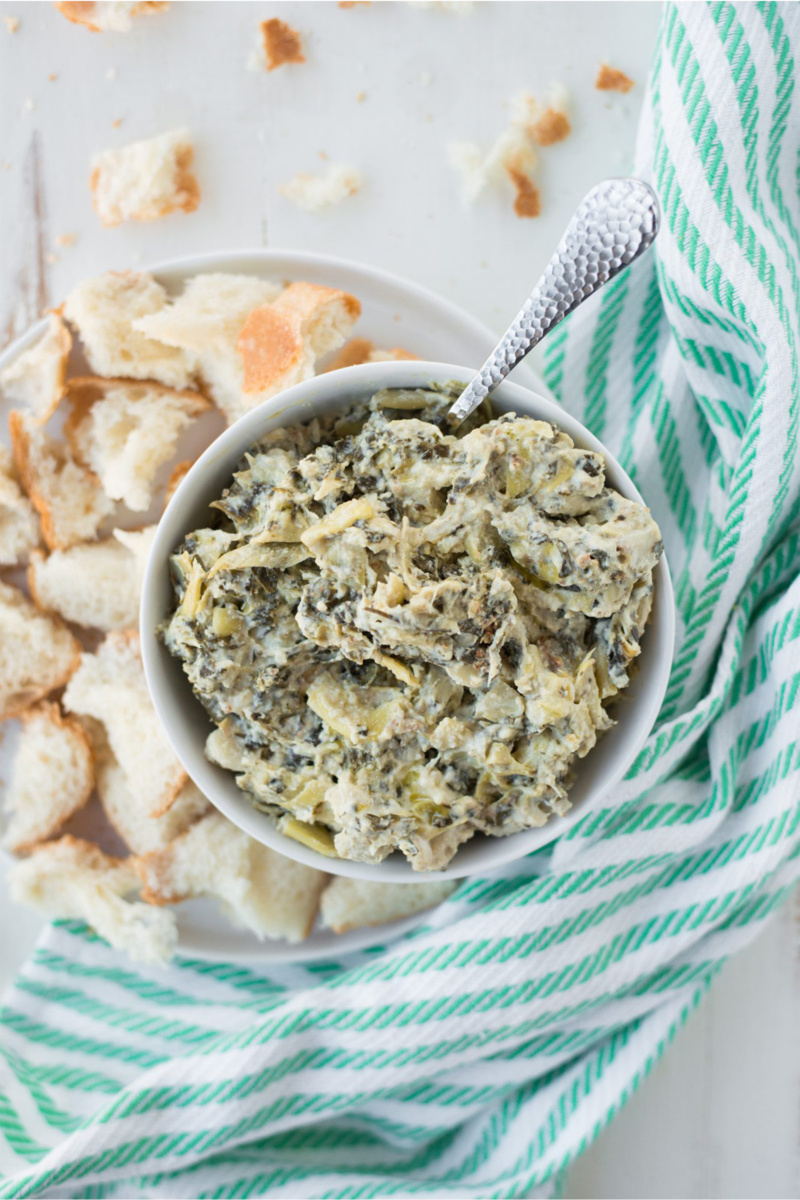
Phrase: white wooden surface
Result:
[719,1115]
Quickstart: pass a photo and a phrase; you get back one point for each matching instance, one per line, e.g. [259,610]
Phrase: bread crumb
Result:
[282,44]
[12,24]
[108,16]
[111,73]
[526,201]
[360,96]
[65,239]
[552,127]
[352,3]
[611,79]
[29,104]
[145,180]
[115,124]
[53,77]
[311,192]
[51,258]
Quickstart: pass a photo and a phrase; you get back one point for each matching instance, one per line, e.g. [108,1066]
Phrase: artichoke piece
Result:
[316,837]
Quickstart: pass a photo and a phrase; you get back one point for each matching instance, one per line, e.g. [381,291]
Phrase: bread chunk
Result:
[110,686]
[260,890]
[108,16]
[312,192]
[35,379]
[71,505]
[52,777]
[37,653]
[361,350]
[611,79]
[281,44]
[19,524]
[203,324]
[124,805]
[145,180]
[353,903]
[94,584]
[105,311]
[72,880]
[280,343]
[124,431]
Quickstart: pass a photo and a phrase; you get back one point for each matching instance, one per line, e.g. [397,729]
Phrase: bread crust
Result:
[282,44]
[271,341]
[611,79]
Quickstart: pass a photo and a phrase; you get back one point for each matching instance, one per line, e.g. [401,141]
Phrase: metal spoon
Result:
[616,222]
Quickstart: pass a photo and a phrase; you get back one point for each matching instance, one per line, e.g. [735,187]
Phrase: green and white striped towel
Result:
[479,1056]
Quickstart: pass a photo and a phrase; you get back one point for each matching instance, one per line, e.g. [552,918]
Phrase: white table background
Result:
[720,1114]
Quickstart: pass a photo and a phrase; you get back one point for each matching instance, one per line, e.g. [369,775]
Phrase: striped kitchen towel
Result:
[480,1055]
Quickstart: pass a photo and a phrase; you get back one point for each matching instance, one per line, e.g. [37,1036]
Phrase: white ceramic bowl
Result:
[186,722]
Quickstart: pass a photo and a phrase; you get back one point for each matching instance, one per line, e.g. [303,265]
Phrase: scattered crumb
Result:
[610,79]
[12,24]
[459,7]
[552,127]
[282,44]
[526,201]
[322,155]
[115,124]
[53,77]
[29,105]
[361,96]
[51,258]
[111,73]
[7,166]
[352,3]
[65,239]
[311,192]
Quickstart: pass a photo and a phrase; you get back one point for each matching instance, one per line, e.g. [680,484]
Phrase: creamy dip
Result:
[406,637]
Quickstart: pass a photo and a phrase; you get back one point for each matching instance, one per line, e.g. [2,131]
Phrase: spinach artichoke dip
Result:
[406,637]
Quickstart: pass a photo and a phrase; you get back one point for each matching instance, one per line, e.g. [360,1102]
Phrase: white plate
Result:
[394,313]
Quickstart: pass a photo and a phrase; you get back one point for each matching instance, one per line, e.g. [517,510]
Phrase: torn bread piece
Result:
[206,318]
[203,324]
[353,903]
[125,430]
[36,377]
[105,312]
[110,686]
[95,584]
[512,155]
[138,541]
[73,880]
[19,524]
[123,805]
[52,777]
[259,890]
[108,16]
[610,79]
[177,476]
[280,343]
[71,505]
[37,652]
[145,180]
[278,44]
[545,123]
[312,192]
[361,350]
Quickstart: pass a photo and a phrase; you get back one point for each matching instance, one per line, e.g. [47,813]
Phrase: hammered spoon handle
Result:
[613,225]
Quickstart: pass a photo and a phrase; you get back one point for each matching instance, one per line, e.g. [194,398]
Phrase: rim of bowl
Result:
[185,722]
